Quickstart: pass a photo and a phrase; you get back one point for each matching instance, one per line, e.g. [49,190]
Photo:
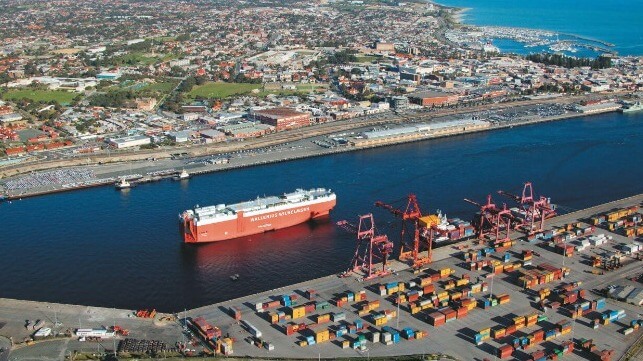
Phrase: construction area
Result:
[518,282]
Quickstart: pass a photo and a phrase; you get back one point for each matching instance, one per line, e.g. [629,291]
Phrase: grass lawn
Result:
[161,87]
[137,58]
[222,90]
[59,96]
[367,58]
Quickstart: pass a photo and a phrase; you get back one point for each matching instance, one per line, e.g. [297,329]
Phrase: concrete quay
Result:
[453,338]
[294,148]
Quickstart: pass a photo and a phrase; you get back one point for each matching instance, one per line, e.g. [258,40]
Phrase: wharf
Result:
[453,338]
[166,168]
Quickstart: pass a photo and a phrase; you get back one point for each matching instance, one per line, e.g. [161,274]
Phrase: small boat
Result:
[123,184]
[183,175]
[234,277]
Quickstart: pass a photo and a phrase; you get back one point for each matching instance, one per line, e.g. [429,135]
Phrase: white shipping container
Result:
[386,337]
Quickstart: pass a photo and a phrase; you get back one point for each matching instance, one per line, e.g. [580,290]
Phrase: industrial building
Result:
[131,141]
[246,129]
[212,135]
[433,98]
[282,118]
[417,132]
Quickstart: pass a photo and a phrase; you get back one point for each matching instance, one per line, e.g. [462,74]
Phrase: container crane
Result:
[493,220]
[411,214]
[534,210]
[370,249]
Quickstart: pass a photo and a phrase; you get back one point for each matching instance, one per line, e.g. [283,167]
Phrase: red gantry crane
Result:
[370,249]
[492,220]
[412,214]
[533,210]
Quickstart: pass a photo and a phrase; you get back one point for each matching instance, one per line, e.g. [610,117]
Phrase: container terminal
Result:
[526,285]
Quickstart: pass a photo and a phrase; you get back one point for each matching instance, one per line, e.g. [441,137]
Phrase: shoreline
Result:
[319,153]
[459,14]
[447,339]
[398,266]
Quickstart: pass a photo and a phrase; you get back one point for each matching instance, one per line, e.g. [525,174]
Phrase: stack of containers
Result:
[286,301]
[322,305]
[551,334]
[322,335]
[538,356]
[380,319]
[505,351]
[395,336]
[498,332]
[564,327]
[531,320]
[519,322]
[503,298]
[387,338]
[311,294]
[338,316]
[323,318]
[481,336]
[297,312]
[600,304]
[449,314]
[436,319]
[408,333]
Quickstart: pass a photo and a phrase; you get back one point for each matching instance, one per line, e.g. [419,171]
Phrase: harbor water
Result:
[617,21]
[123,249]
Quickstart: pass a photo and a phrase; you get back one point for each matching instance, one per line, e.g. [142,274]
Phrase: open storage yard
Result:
[521,299]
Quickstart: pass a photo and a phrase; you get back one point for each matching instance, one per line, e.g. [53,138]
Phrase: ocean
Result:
[616,21]
[123,249]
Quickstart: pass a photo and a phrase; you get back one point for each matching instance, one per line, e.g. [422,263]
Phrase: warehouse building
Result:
[127,142]
[282,118]
[433,98]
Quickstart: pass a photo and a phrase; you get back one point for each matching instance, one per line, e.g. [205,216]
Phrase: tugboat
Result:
[183,175]
[123,184]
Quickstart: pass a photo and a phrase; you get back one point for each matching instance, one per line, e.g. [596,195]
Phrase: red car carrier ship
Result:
[221,222]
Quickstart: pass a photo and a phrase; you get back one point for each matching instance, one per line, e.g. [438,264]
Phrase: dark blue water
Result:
[104,247]
[614,21]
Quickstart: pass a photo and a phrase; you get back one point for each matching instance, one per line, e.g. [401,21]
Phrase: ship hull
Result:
[248,224]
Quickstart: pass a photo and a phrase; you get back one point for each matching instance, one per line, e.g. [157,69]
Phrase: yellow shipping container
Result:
[462,282]
[392,290]
[455,296]
[322,336]
[303,343]
[485,331]
[362,313]
[298,312]
[415,310]
[401,286]
[274,318]
[381,321]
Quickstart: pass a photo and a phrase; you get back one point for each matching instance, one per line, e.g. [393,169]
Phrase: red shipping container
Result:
[449,313]
[537,355]
[510,330]
[436,318]
[505,351]
[462,312]
[428,289]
